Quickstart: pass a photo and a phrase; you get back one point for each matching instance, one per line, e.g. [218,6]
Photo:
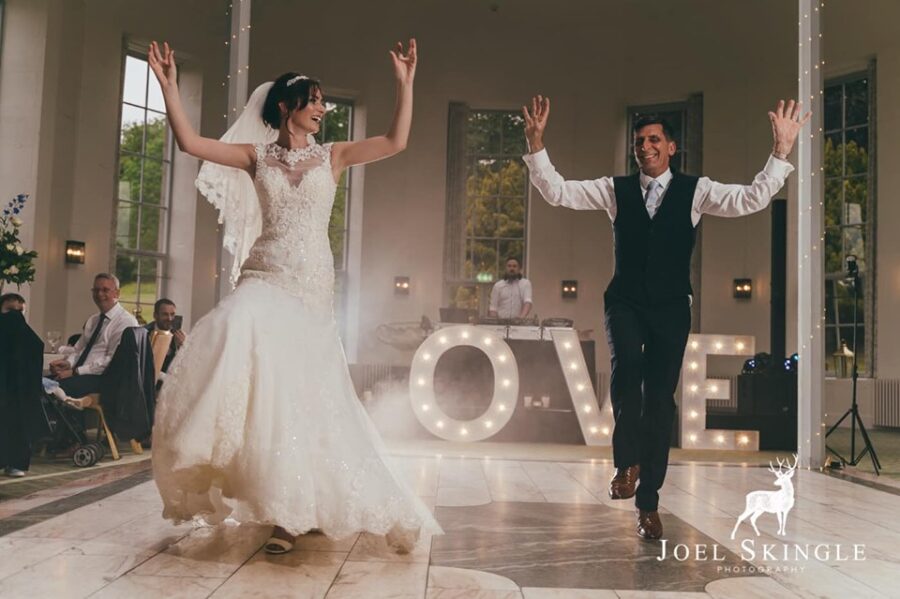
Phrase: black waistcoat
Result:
[653,256]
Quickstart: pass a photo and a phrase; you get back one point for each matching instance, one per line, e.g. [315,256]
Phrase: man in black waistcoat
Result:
[654,214]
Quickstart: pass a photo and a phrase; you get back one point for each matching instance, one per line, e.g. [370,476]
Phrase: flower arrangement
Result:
[16,264]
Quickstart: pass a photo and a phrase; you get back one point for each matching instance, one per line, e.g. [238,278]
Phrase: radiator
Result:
[887,402]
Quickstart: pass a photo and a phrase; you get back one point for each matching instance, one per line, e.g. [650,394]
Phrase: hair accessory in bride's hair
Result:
[294,80]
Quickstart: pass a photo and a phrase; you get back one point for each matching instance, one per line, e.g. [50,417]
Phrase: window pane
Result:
[132,132]
[856,193]
[484,257]
[834,155]
[135,88]
[127,272]
[480,216]
[834,251]
[513,178]
[513,249]
[855,243]
[126,226]
[856,151]
[154,181]
[154,95]
[151,227]
[129,178]
[846,334]
[857,103]
[483,134]
[149,280]
[833,97]
[829,301]
[157,132]
[845,306]
[510,218]
[833,203]
[831,346]
[513,134]
[464,296]
[336,126]
[484,177]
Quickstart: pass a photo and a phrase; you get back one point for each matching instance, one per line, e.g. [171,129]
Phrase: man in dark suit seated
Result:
[80,373]
[20,386]
[164,320]
[11,301]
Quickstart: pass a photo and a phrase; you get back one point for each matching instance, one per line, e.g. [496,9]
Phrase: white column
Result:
[810,241]
[238,65]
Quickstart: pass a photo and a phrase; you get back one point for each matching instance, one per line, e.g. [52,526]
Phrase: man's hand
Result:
[786,125]
[56,366]
[536,122]
[178,338]
[64,374]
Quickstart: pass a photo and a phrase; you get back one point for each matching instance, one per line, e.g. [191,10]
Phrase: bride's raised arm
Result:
[346,154]
[242,156]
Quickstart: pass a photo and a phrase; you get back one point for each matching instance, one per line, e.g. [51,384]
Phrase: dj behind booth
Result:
[464,378]
[511,295]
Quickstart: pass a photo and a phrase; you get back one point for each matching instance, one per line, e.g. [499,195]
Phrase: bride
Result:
[258,419]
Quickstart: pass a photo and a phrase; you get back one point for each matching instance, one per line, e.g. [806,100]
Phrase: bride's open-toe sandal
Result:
[277,546]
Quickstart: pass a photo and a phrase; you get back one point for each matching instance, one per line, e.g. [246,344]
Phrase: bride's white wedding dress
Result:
[258,418]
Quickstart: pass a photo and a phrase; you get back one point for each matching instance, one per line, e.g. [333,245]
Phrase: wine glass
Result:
[54,340]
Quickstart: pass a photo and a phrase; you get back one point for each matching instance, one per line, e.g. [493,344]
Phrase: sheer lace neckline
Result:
[292,156]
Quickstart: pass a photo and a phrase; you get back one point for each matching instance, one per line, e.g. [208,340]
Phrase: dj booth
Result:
[464,382]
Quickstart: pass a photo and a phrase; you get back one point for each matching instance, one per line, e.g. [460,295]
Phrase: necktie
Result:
[654,191]
[91,341]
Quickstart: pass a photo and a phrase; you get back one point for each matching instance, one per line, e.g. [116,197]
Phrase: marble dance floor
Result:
[530,524]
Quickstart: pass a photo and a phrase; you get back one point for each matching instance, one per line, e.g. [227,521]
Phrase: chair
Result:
[160,341]
[92,402]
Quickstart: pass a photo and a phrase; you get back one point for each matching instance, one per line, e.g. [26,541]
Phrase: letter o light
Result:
[506,384]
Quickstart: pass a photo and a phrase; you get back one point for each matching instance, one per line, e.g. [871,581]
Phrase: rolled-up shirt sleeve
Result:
[593,194]
[495,297]
[720,199]
[526,291]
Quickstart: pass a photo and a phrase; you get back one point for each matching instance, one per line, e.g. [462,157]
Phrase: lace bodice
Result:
[296,192]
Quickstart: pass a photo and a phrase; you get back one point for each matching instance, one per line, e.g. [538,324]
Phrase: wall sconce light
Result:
[401,285]
[570,289]
[743,288]
[75,252]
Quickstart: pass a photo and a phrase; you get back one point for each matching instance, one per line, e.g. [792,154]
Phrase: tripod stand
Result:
[853,410]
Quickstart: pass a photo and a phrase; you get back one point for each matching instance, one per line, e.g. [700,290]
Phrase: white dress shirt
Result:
[508,297]
[710,197]
[118,319]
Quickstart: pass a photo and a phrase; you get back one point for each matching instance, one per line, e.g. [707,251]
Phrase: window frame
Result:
[868,277]
[161,255]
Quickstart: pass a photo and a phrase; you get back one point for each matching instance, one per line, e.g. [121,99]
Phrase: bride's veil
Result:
[230,189]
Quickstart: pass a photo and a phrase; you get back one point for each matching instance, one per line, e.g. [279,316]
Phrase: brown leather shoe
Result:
[649,525]
[624,483]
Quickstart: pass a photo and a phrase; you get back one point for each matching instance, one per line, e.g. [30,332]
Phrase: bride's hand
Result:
[404,64]
[162,62]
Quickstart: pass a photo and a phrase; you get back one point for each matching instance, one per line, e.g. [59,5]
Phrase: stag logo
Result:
[777,502]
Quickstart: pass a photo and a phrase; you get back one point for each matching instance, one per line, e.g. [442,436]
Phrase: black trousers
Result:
[81,385]
[647,345]
[15,449]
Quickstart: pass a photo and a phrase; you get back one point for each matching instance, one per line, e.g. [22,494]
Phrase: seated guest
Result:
[20,374]
[164,320]
[80,372]
[11,301]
